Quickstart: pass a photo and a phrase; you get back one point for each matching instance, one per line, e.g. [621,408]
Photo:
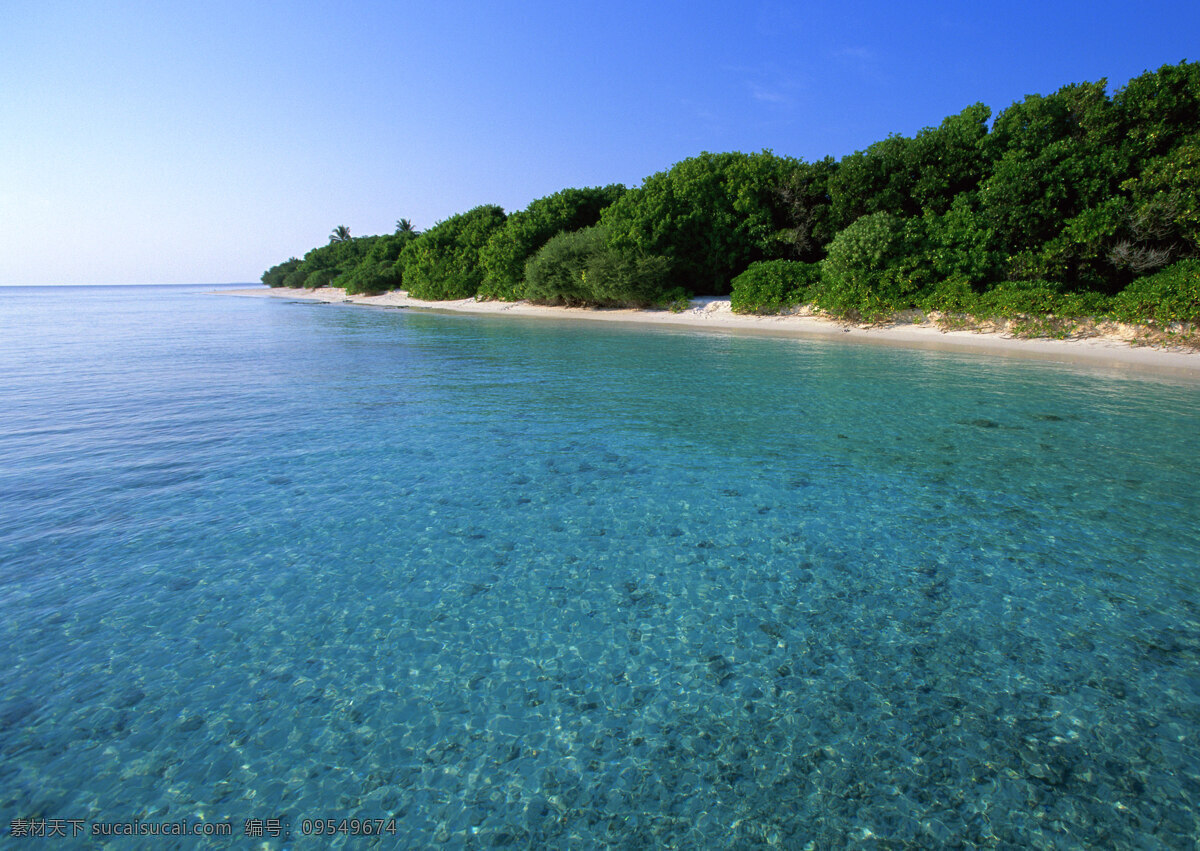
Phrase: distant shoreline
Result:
[714,314]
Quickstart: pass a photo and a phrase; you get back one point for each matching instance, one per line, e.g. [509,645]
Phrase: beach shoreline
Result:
[714,314]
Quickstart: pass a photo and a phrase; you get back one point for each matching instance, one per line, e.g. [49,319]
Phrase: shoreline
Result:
[714,314]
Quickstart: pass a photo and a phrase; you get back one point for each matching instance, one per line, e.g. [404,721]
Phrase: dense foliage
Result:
[710,216]
[581,268]
[524,233]
[1077,202]
[381,269]
[443,263]
[327,265]
[276,275]
[774,286]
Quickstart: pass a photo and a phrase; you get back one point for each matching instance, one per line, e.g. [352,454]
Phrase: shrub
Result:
[1015,298]
[620,279]
[1039,298]
[442,264]
[326,264]
[1172,295]
[773,286]
[711,216]
[295,278]
[953,295]
[320,278]
[581,268]
[524,233]
[957,244]
[276,275]
[557,274]
[870,269]
[380,270]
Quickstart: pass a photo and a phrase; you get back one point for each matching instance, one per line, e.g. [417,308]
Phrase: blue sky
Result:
[180,142]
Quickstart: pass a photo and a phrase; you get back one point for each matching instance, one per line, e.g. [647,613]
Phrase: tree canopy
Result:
[525,232]
[710,216]
[443,263]
[1073,199]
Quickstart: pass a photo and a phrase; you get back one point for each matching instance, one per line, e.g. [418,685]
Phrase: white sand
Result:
[715,314]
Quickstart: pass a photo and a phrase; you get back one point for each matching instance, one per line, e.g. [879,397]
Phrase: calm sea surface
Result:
[504,582]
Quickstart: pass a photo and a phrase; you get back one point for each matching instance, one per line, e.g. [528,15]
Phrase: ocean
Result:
[317,575]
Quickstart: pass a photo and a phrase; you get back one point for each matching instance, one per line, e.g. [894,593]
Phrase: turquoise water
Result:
[531,584]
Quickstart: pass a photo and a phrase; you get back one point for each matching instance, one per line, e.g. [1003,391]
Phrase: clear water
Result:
[559,585]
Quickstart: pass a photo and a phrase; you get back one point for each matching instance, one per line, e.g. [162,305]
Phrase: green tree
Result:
[577,268]
[710,216]
[948,161]
[341,233]
[907,177]
[809,214]
[1051,159]
[873,267]
[443,263]
[324,265]
[876,180]
[379,270]
[524,233]
[405,226]
[276,275]
[1157,110]
[1164,209]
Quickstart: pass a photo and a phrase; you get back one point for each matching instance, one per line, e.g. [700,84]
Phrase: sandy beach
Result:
[1112,349]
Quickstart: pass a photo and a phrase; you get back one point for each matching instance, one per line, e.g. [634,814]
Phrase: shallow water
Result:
[538,584]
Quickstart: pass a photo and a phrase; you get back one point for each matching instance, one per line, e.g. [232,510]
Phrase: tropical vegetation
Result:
[1079,202]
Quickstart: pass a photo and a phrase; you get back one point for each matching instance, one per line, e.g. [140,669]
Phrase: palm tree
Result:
[405,226]
[341,233]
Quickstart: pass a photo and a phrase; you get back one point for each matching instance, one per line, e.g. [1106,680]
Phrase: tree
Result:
[341,233]
[276,275]
[907,177]
[405,226]
[581,268]
[1052,158]
[1157,110]
[326,265]
[524,233]
[805,197]
[710,216]
[443,264]
[380,268]
[877,180]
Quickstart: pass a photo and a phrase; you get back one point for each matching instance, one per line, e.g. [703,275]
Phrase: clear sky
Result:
[201,142]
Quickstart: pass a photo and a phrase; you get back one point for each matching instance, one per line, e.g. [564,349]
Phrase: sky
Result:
[203,142]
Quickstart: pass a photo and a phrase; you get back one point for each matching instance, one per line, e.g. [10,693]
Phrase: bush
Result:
[871,269]
[1172,295]
[773,286]
[380,269]
[1016,298]
[953,295]
[711,216]
[557,274]
[295,278]
[524,233]
[443,263]
[372,277]
[276,275]
[620,279]
[326,264]
[1013,299]
[580,268]
[956,244]
[320,278]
